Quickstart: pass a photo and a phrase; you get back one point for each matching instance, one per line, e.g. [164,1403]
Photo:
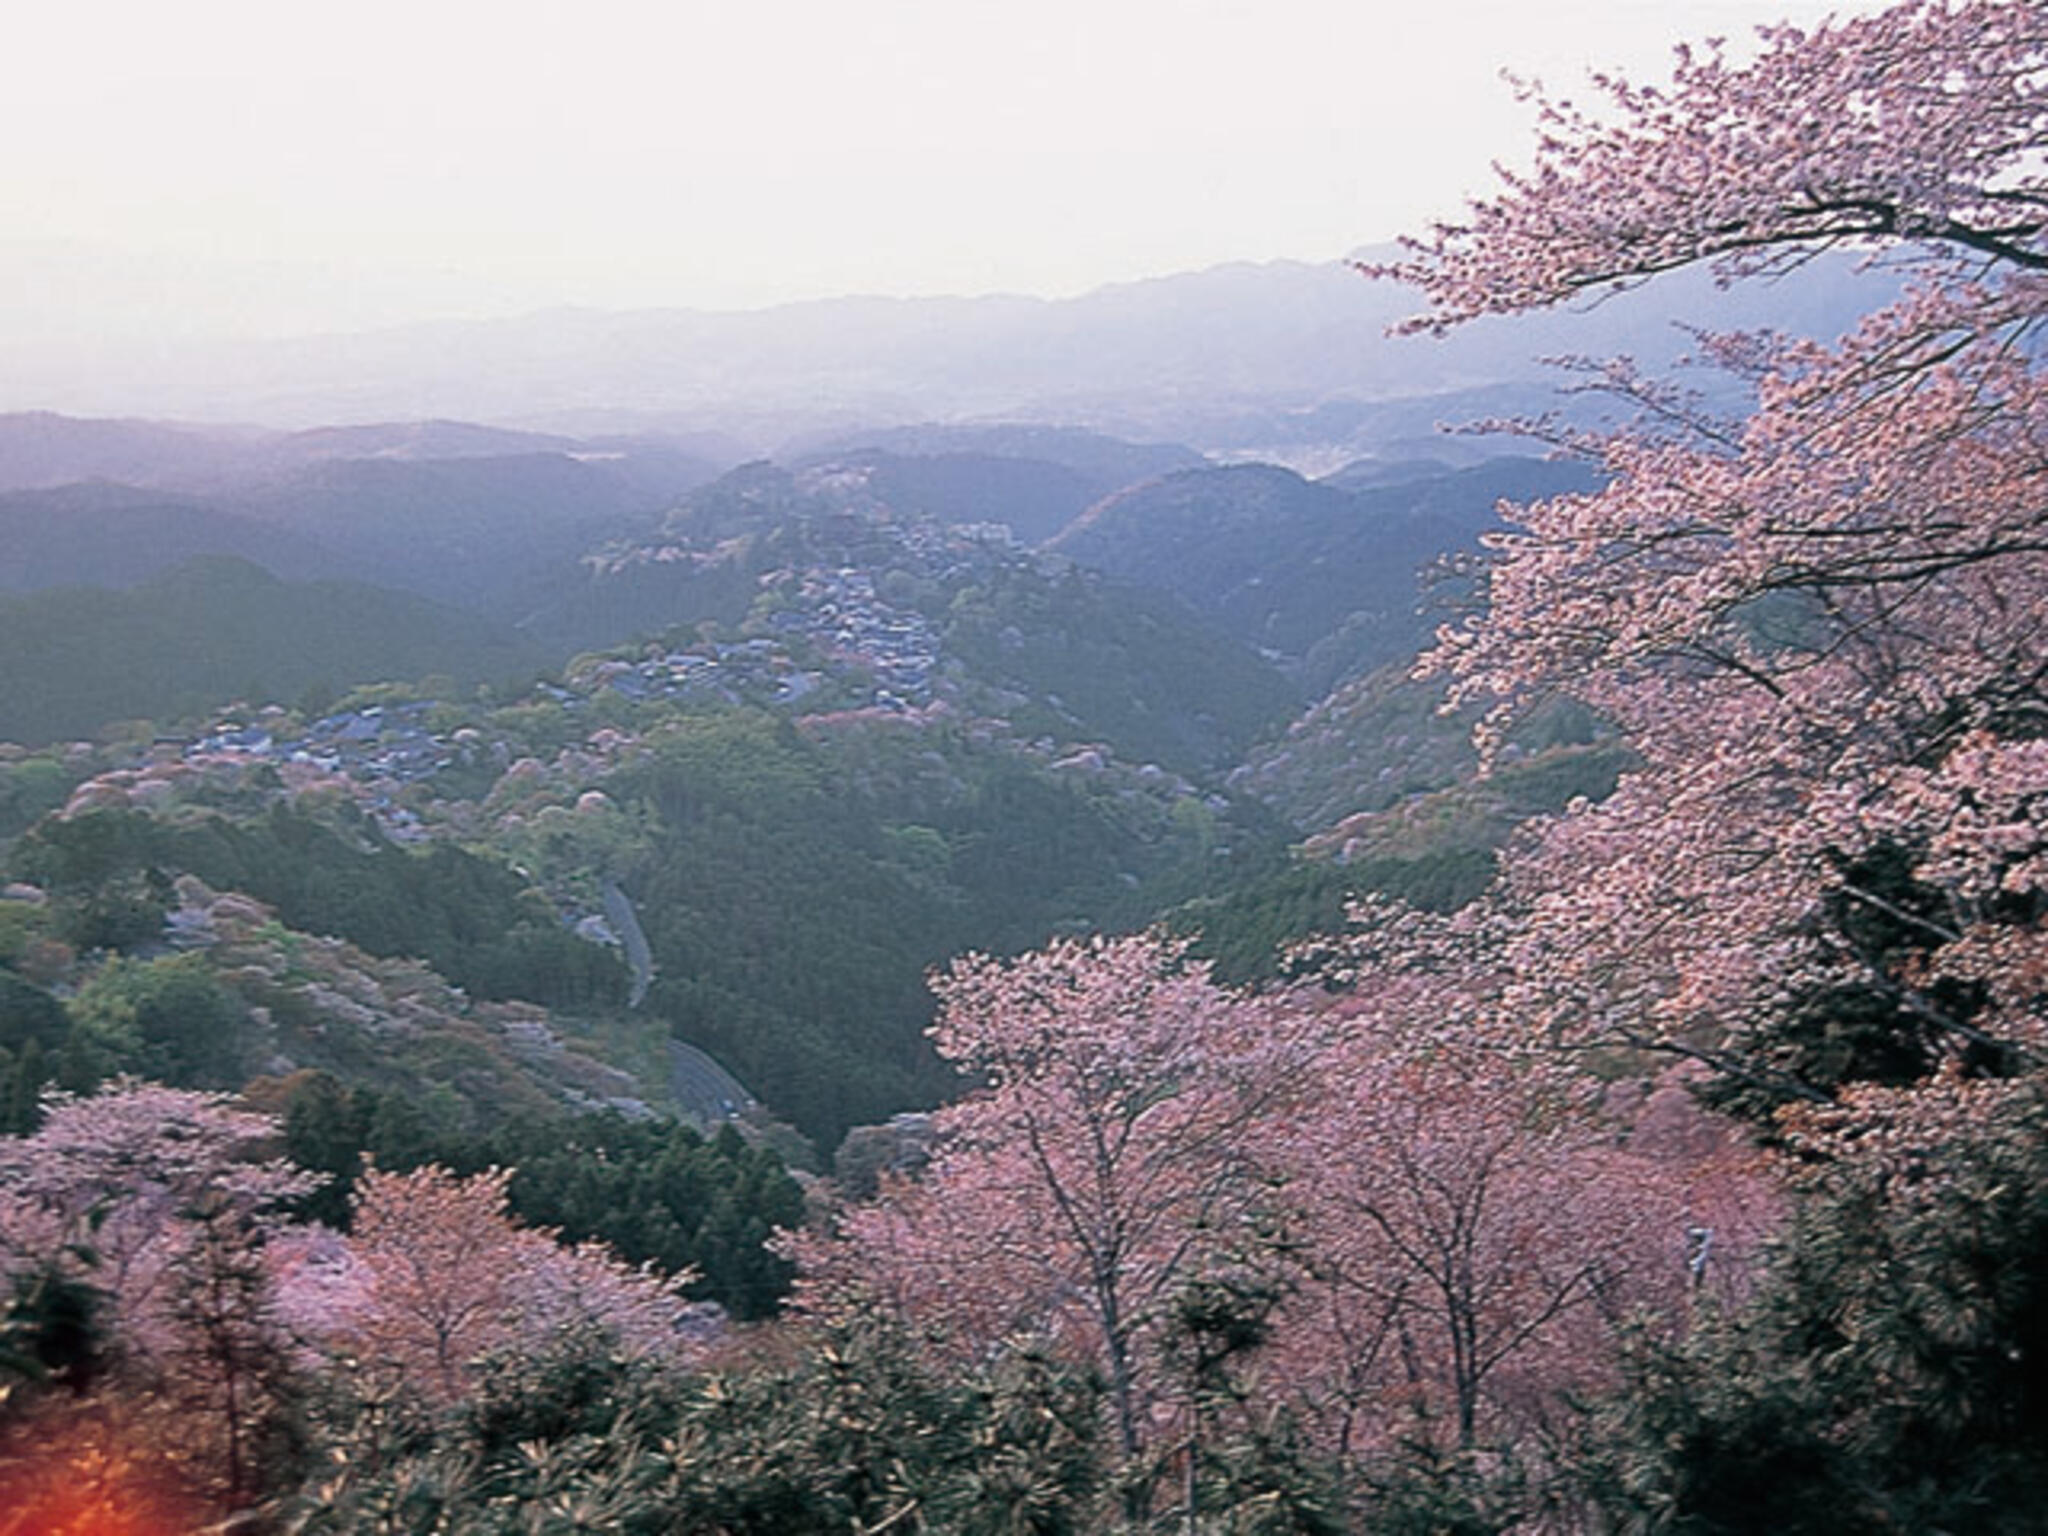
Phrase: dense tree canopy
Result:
[1823,628]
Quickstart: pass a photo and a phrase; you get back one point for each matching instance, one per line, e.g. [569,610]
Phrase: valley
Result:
[872,710]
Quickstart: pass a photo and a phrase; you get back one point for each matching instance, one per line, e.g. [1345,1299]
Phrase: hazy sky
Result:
[266,166]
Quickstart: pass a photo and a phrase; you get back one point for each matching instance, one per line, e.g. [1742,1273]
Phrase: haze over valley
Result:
[1154,559]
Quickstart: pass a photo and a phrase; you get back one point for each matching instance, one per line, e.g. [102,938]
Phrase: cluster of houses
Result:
[859,649]
[728,671]
[379,746]
[887,653]
[897,645]
[375,742]
[876,653]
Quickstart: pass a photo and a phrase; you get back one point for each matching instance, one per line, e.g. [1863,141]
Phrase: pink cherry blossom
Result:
[1821,628]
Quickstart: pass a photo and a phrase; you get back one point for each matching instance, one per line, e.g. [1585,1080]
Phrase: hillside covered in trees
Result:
[988,979]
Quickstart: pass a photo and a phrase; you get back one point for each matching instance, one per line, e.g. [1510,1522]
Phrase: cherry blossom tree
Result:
[1479,1215]
[161,1203]
[1114,1156]
[1465,1203]
[171,1206]
[124,1173]
[435,1275]
[1365,1207]
[1824,627]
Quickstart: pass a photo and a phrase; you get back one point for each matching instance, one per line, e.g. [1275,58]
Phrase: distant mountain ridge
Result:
[581,544]
[469,531]
[40,450]
[1097,457]
[1235,359]
[98,534]
[458,512]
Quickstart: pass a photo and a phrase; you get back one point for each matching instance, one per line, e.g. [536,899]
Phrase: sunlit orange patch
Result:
[92,1489]
[132,1509]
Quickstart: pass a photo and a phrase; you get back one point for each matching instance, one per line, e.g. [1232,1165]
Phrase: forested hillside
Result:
[217,629]
[852,729]
[477,923]
[100,534]
[982,978]
[1322,576]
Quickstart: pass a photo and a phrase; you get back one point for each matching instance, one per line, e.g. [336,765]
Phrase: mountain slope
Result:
[467,531]
[1325,577]
[102,535]
[40,449]
[1110,462]
[822,559]
[219,628]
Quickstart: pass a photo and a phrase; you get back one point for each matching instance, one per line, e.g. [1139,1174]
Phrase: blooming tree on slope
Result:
[1467,1204]
[1370,1210]
[162,1203]
[170,1206]
[435,1274]
[135,1173]
[1116,1155]
[1478,1214]
[1825,627]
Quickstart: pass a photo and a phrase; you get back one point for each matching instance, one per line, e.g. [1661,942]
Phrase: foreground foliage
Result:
[1887,1378]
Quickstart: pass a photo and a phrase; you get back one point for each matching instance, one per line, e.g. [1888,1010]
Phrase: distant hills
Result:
[470,531]
[1100,460]
[580,544]
[40,449]
[464,514]
[827,560]
[484,518]
[106,535]
[830,640]
[821,722]
[1284,360]
[1035,480]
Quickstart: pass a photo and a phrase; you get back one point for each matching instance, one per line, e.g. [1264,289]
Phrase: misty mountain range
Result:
[1285,361]
[1244,441]
[134,599]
